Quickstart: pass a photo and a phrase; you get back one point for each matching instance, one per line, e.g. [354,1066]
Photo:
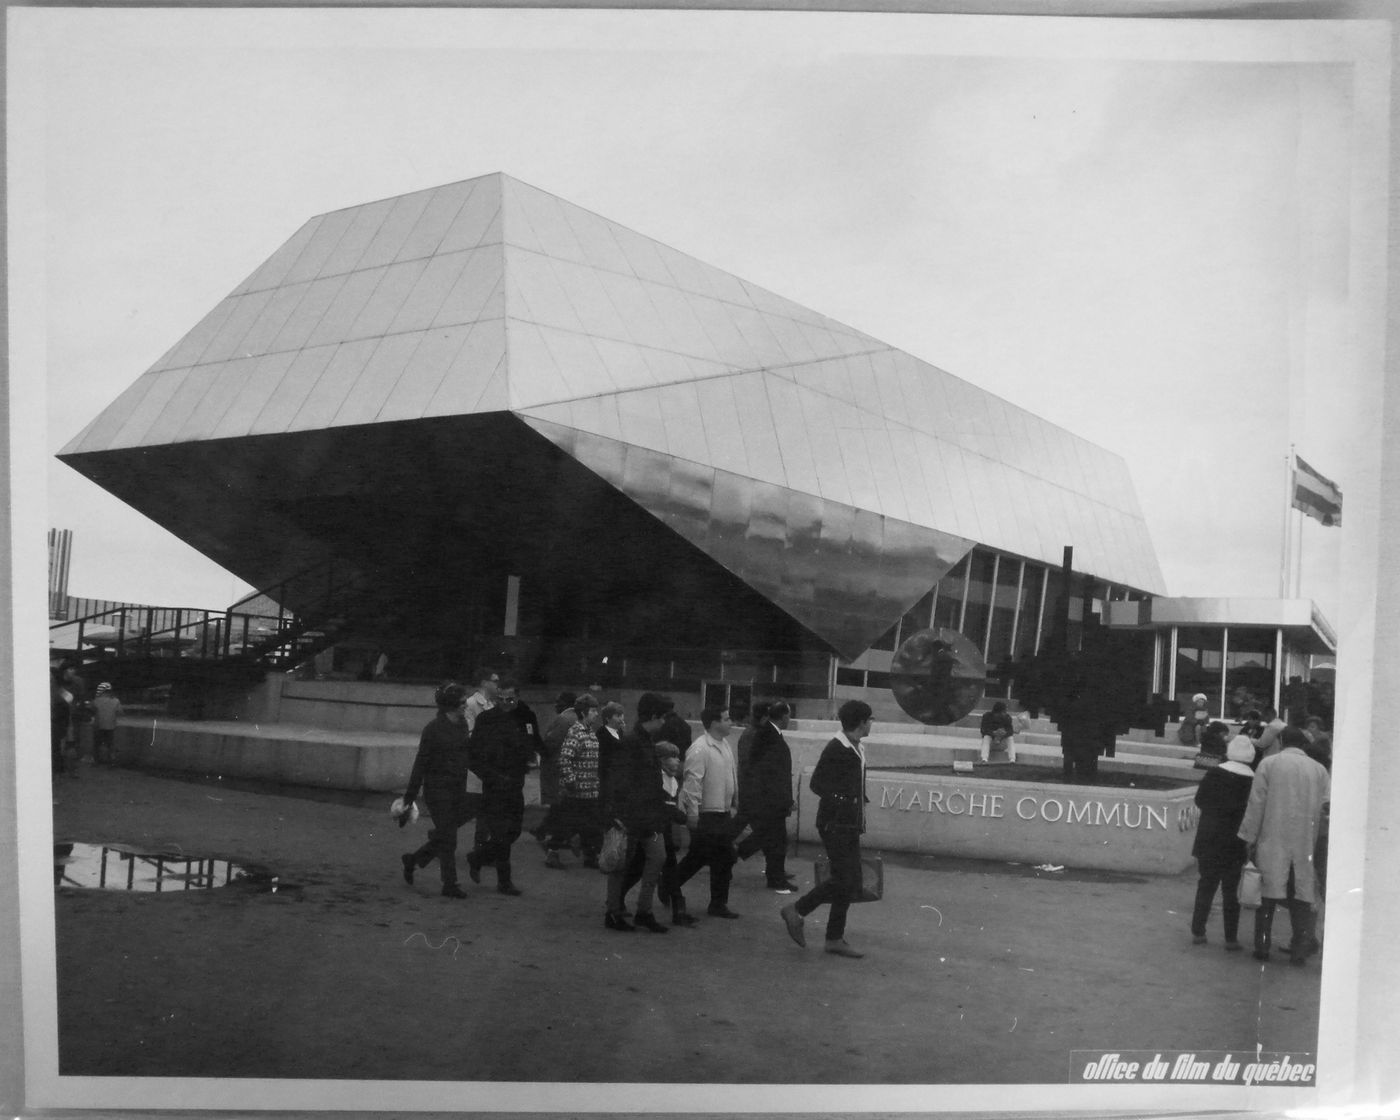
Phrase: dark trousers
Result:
[449,809]
[104,745]
[843,852]
[1226,878]
[1301,916]
[1080,763]
[577,815]
[497,828]
[769,836]
[711,845]
[58,733]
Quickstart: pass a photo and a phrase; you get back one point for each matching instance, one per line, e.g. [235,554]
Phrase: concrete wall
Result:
[1025,822]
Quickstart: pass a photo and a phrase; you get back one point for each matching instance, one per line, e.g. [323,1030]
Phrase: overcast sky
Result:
[1153,251]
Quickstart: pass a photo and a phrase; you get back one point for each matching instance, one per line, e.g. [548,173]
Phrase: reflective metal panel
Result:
[338,321]
[187,351]
[579,361]
[544,295]
[101,433]
[365,400]
[534,377]
[245,312]
[429,293]
[193,384]
[627,366]
[384,247]
[292,390]
[641,254]
[888,478]
[827,446]
[144,412]
[479,220]
[364,224]
[689,500]
[545,215]
[637,311]
[721,419]
[799,468]
[683,329]
[261,383]
[607,458]
[646,479]
[756,426]
[227,383]
[685,426]
[389,297]
[478,292]
[341,372]
[272,271]
[432,225]
[590,303]
[640,414]
[322,245]
[596,240]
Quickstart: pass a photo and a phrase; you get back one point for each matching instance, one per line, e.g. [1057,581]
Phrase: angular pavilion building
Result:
[480,422]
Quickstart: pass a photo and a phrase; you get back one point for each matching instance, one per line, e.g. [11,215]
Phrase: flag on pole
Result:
[1319,498]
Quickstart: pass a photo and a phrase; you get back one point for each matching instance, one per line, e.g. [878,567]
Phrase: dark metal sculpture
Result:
[938,676]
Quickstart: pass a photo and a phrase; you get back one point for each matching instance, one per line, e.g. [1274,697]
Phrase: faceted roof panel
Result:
[491,295]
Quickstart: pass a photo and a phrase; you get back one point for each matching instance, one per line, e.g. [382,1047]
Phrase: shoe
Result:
[1198,939]
[793,920]
[474,867]
[551,859]
[1233,946]
[410,864]
[683,920]
[780,888]
[648,921]
[508,888]
[452,890]
[619,923]
[841,949]
[719,910]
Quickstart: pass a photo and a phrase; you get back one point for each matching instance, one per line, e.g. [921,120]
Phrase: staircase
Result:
[144,647]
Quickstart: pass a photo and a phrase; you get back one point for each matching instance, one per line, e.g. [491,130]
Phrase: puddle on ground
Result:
[116,867]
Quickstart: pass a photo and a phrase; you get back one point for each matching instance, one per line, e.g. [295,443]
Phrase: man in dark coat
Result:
[633,797]
[440,771]
[1220,853]
[501,747]
[839,780]
[765,796]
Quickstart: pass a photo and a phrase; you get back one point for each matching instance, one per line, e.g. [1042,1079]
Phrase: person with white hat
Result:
[107,709]
[1220,854]
[1188,734]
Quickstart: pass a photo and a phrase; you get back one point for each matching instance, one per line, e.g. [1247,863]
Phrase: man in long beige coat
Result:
[1286,805]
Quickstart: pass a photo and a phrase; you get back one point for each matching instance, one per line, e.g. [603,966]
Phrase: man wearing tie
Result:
[839,780]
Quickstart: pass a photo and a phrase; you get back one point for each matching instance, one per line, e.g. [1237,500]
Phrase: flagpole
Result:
[1286,552]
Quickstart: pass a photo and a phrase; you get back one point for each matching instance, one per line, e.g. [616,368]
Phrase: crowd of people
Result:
[1264,803]
[642,783]
[80,721]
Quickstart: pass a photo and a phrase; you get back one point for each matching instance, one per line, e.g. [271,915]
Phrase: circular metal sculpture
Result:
[938,676]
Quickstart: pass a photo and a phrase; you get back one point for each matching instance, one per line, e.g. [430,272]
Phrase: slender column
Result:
[1224,657]
[1040,614]
[991,606]
[1278,666]
[1171,668]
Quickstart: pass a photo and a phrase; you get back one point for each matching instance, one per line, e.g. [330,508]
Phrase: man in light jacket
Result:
[1286,806]
[709,797]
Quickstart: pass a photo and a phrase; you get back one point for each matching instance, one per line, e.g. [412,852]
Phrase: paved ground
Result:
[976,972]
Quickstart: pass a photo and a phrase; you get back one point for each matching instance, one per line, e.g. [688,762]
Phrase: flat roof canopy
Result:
[1305,628]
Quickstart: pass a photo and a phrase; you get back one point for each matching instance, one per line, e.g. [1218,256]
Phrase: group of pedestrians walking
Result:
[597,774]
[1266,804]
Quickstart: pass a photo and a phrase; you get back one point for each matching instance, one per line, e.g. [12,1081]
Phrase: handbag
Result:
[614,850]
[1251,886]
[872,876]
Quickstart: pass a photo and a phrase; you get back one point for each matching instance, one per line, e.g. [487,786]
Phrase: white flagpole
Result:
[1286,552]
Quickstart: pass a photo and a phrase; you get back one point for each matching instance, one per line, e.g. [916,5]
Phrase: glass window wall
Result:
[999,640]
[948,606]
[977,611]
[1026,627]
[1249,671]
[1199,652]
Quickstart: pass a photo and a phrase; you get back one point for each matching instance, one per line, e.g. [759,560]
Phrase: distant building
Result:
[60,555]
